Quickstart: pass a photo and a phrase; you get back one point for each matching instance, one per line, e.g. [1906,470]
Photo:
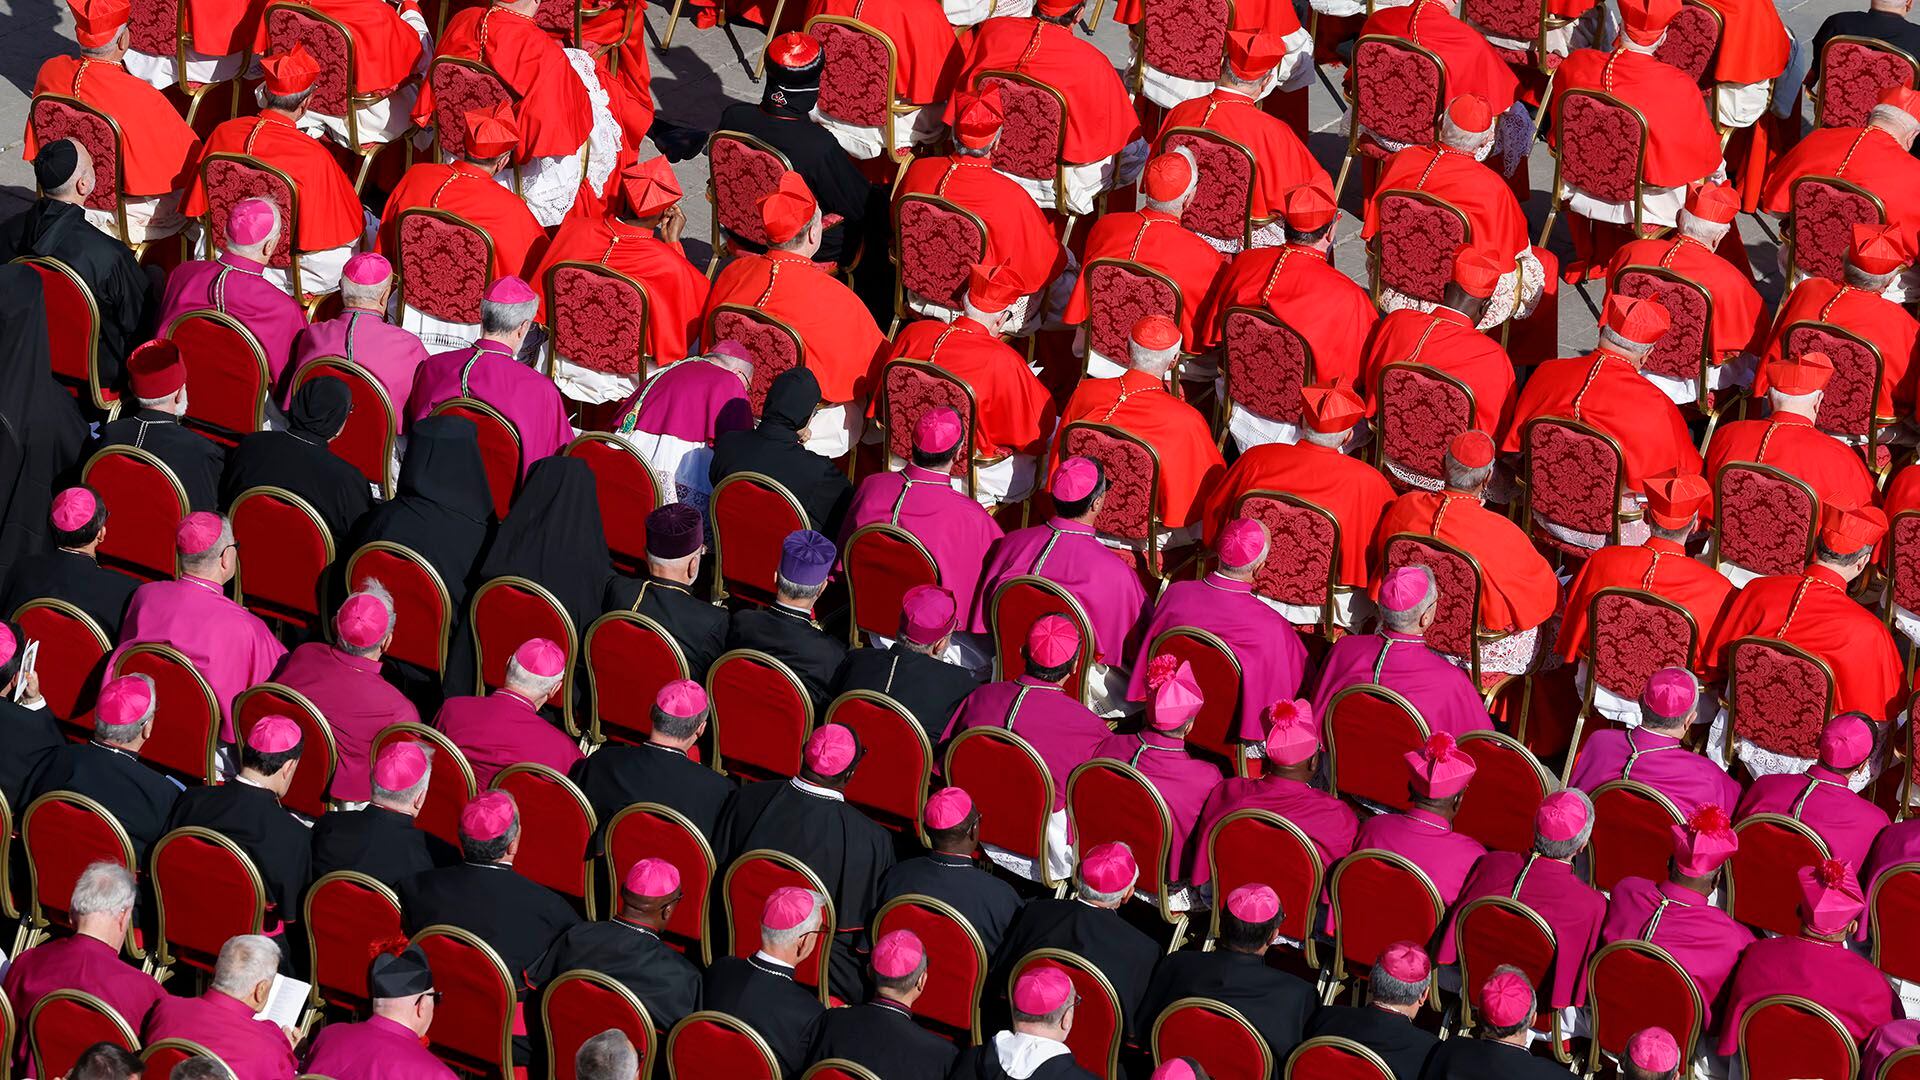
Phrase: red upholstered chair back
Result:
[473,1024]
[937,242]
[1574,474]
[1019,603]
[288,550]
[231,178]
[1379,898]
[715,1044]
[1457,577]
[1903,565]
[347,915]
[1893,908]
[555,814]
[761,715]
[1854,72]
[460,86]
[1415,243]
[1303,548]
[1763,883]
[1633,634]
[857,78]
[1330,1057]
[1786,1036]
[1495,930]
[422,610]
[1132,468]
[160,1058]
[1422,409]
[62,833]
[752,516]
[206,890]
[1902,1064]
[599,318]
[295,24]
[957,961]
[155,26]
[1632,833]
[499,447]
[1216,731]
[1633,985]
[1098,1022]
[1778,696]
[1520,19]
[366,442]
[1259,847]
[897,763]
[773,345]
[65,1023]
[1693,37]
[653,831]
[450,786]
[743,169]
[1825,210]
[1688,341]
[581,1004]
[445,262]
[1186,39]
[629,657]
[1216,1035]
[74,646]
[556,17]
[56,116]
[883,562]
[1266,363]
[1111,801]
[1498,807]
[1010,784]
[1034,133]
[627,490]
[505,614]
[186,715]
[911,387]
[1765,519]
[1399,89]
[227,379]
[1847,406]
[1367,730]
[1222,203]
[743,896]
[73,332]
[313,775]
[1603,145]
[1119,294]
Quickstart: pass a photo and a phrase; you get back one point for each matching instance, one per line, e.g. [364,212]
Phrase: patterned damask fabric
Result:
[154,26]
[458,91]
[1632,640]
[741,175]
[1691,39]
[1573,478]
[1417,242]
[1677,355]
[911,392]
[1130,474]
[229,182]
[1266,365]
[1300,554]
[772,348]
[1185,38]
[1846,407]
[1222,199]
[329,47]
[1763,522]
[556,17]
[936,247]
[1779,701]
[1852,79]
[1397,92]
[1117,298]
[56,120]
[1600,153]
[599,321]
[1519,19]
[1033,132]
[444,267]
[853,84]
[1823,221]
[1452,631]
[1904,567]
[1419,416]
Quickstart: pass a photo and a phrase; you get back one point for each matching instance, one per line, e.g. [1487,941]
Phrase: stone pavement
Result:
[707,70]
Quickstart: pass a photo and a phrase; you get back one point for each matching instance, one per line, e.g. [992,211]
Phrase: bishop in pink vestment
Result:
[1886,1040]
[1159,751]
[343,681]
[255,1049]
[1897,843]
[1819,798]
[1651,753]
[1424,833]
[1060,729]
[361,332]
[81,962]
[236,285]
[488,371]
[957,531]
[505,727]
[1399,659]
[1675,915]
[1284,786]
[694,400]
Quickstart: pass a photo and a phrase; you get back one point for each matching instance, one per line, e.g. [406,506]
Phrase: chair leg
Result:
[673,26]
[1093,23]
[366,166]
[773,28]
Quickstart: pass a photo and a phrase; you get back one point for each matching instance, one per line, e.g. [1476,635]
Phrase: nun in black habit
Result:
[300,460]
[441,508]
[42,433]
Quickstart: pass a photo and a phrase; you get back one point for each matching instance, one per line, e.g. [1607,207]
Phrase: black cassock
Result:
[699,627]
[666,982]
[137,796]
[1404,1047]
[273,838]
[195,459]
[75,578]
[380,843]
[442,508]
[1098,935]
[1484,1059]
[830,174]
[929,689]
[882,1036]
[617,776]
[519,918]
[849,853]
[766,998]
[124,293]
[981,1063]
[987,903]
[774,450]
[41,433]
[1275,1003]
[300,460]
[794,639]
[28,738]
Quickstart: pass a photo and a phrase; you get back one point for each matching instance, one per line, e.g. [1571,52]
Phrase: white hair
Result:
[1613,340]
[1332,440]
[246,961]
[526,682]
[992,320]
[1462,478]
[1893,119]
[1805,404]
[1707,232]
[124,733]
[104,888]
[100,52]
[405,796]
[497,317]
[1860,279]
[1406,622]
[784,939]
[352,292]
[372,587]
[1151,361]
[1459,138]
[607,1056]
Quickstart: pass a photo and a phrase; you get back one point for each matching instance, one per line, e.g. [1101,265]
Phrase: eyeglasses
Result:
[436,995]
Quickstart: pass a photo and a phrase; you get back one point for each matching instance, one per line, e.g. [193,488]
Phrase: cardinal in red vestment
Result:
[1876,157]
[1452,170]
[1787,439]
[1862,308]
[926,55]
[387,39]
[1445,340]
[554,111]
[467,188]
[1467,58]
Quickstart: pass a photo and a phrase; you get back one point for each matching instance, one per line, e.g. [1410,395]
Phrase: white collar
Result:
[780,967]
[817,790]
[1021,1054]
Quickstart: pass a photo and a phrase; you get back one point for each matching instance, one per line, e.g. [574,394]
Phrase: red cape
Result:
[158,148]
[1016,412]
[1352,491]
[676,289]
[554,112]
[1517,588]
[1793,445]
[1472,67]
[1830,625]
[1661,567]
[1610,394]
[1739,314]
[842,343]
[385,48]
[1017,229]
[330,213]
[1753,41]
[1296,283]
[927,56]
[1444,340]
[1494,216]
[1682,145]
[1157,241]
[1280,160]
[1875,318]
[1136,403]
[466,190]
[1865,156]
[1100,116]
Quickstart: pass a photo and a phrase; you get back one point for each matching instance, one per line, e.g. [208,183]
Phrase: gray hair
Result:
[1388,990]
[352,292]
[1860,279]
[1462,478]
[797,591]
[200,1068]
[286,102]
[405,796]
[372,587]
[126,733]
[1332,440]
[1151,361]
[1408,621]
[1839,558]
[1459,138]
[989,319]
[210,558]
[798,240]
[1611,339]
[1707,232]
[104,888]
[501,318]
[783,939]
[246,961]
[1780,399]
[101,52]
[534,686]
[1178,202]
[1567,849]
[607,1056]
[1046,1019]
[1896,120]
[677,727]
[975,152]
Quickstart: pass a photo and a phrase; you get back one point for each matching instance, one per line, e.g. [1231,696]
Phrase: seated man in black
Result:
[627,948]
[157,382]
[1505,1010]
[28,735]
[882,1034]
[247,811]
[1395,991]
[1035,1048]
[676,539]
[911,670]
[380,839]
[301,460]
[786,630]
[760,989]
[1275,1003]
[617,775]
[70,571]
[776,448]
[948,871]
[1090,926]
[109,771]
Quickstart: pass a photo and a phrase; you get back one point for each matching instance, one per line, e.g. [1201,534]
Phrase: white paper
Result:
[285,1002]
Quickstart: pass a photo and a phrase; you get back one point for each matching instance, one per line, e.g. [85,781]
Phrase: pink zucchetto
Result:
[250,221]
[123,701]
[1845,742]
[72,509]
[362,621]
[830,749]
[1830,896]
[1704,842]
[274,735]
[1292,734]
[651,878]
[1177,1069]
[540,658]
[1653,1050]
[947,808]
[1671,692]
[368,268]
[1241,542]
[1041,989]
[1404,588]
[198,533]
[683,698]
[787,908]
[1176,697]
[399,766]
[1406,961]
[1052,640]
[897,955]
[1253,903]
[929,613]
[488,817]
[1074,479]
[1505,999]
[1440,768]
[1561,817]
[1109,868]
[510,290]
[937,430]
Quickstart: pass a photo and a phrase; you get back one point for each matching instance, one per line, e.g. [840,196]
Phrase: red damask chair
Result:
[1521,20]
[1378,898]
[1399,90]
[741,169]
[1256,846]
[1602,143]
[1034,133]
[499,447]
[1893,913]
[1303,553]
[1686,352]
[1020,602]
[627,490]
[1854,71]
[346,916]
[65,1023]
[73,334]
[897,759]
[161,28]
[909,388]
[61,834]
[1633,985]
[422,608]
[1631,633]
[445,263]
[752,515]
[1367,730]
[332,45]
[1412,251]
[652,831]
[506,613]
[1693,39]
[598,317]
[1119,294]
[450,784]
[53,117]
[288,550]
[1265,364]
[1131,511]
[73,649]
[227,375]
[1216,731]
[1763,877]
[883,562]
[1333,1057]
[1778,696]
[367,440]
[1456,630]
[1765,520]
[313,774]
[1902,566]
[1849,405]
[1222,205]
[1824,211]
[1013,789]
[709,1043]
[957,968]
[554,810]
[1496,930]
[761,717]
[1112,801]
[579,1004]
[460,86]
[743,896]
[1787,1036]
[230,178]
[1216,1035]
[186,717]
[858,76]
[629,657]
[1575,476]
[1181,41]
[936,241]
[1099,1023]
[205,891]
[773,346]
[473,1024]
[1422,410]
[1507,789]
